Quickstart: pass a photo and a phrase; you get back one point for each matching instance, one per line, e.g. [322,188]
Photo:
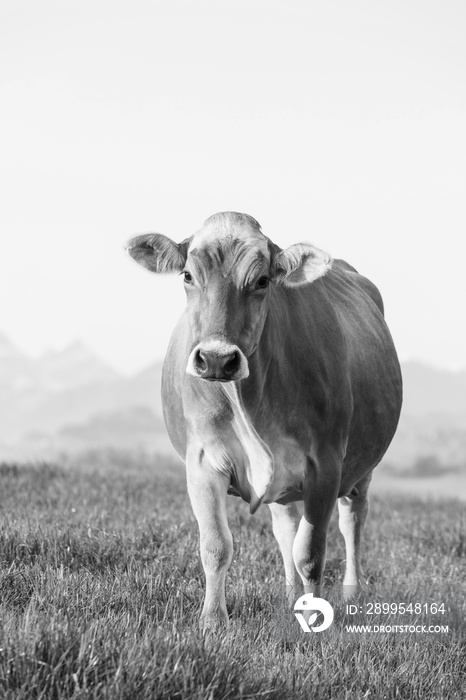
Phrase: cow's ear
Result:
[300,264]
[158,253]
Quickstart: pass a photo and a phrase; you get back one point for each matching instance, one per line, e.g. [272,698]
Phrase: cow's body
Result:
[325,371]
[312,413]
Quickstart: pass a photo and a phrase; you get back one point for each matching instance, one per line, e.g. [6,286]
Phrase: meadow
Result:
[101,586]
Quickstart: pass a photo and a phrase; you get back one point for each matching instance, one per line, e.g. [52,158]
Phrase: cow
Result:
[281,384]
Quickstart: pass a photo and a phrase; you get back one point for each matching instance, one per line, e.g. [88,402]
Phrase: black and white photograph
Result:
[232,350]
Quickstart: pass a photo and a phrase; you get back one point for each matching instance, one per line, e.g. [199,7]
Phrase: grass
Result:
[101,587]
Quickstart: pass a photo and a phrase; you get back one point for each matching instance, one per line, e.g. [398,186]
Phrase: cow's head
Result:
[229,270]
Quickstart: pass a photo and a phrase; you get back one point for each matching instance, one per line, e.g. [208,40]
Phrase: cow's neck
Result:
[272,355]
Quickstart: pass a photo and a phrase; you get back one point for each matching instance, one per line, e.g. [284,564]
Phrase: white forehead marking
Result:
[229,225]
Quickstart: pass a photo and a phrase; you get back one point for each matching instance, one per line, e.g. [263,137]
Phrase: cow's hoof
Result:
[349,591]
[214,624]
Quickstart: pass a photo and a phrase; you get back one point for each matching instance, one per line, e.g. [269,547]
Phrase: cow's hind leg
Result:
[285,522]
[352,511]
[208,490]
[319,495]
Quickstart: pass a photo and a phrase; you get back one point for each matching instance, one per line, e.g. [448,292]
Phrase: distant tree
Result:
[430,465]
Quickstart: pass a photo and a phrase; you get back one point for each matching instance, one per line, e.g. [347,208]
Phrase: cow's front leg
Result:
[208,490]
[320,492]
[285,523]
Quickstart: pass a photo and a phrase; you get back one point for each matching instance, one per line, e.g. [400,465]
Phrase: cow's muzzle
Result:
[218,361]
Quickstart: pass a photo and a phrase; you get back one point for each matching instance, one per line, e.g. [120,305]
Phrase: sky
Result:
[342,124]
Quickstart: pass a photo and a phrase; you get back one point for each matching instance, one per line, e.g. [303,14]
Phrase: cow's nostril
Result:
[216,363]
[232,363]
[200,360]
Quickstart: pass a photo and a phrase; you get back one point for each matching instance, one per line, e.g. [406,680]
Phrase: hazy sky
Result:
[335,122]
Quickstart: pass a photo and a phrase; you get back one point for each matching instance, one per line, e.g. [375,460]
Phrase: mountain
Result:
[432,427]
[39,395]
[56,371]
[80,404]
[17,372]
[137,427]
[432,391]
[74,366]
[73,400]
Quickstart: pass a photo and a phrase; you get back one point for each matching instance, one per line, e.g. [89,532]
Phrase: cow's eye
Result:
[262,282]
[187,276]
